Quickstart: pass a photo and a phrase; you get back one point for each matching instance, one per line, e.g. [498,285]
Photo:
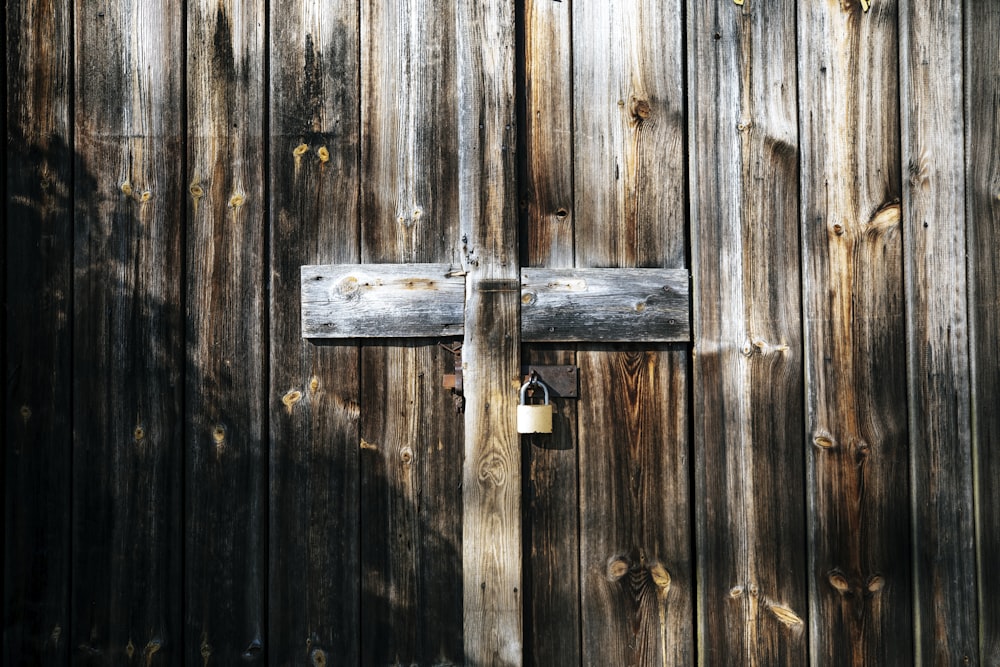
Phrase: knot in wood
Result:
[617,568]
[875,583]
[641,109]
[493,470]
[349,288]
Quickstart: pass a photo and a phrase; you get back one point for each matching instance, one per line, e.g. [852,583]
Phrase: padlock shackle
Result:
[533,382]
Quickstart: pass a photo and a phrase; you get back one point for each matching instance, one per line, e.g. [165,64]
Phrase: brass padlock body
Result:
[534,418]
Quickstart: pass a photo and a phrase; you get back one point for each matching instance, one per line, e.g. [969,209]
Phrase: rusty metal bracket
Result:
[562,381]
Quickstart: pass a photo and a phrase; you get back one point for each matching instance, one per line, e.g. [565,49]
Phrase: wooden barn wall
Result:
[811,481]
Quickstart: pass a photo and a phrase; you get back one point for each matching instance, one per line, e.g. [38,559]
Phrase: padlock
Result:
[534,418]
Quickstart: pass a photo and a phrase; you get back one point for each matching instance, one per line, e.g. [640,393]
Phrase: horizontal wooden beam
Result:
[382,301]
[610,305]
[566,305]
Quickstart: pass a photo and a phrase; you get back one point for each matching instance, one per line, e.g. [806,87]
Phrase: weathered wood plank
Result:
[551,528]
[982,132]
[491,479]
[127,357]
[551,531]
[547,191]
[636,305]
[748,389]
[313,189]
[411,459]
[411,456]
[226,503]
[637,582]
[382,300]
[937,333]
[37,270]
[860,604]
[635,549]
[410,142]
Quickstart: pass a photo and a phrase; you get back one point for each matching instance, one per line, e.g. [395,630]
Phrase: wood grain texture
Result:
[411,437]
[551,519]
[491,479]
[551,530]
[127,355]
[635,305]
[37,333]
[934,233]
[635,551]
[982,132]
[313,188]
[860,602]
[629,212]
[628,134]
[748,429]
[547,165]
[409,133]
[226,466]
[411,462]
[382,300]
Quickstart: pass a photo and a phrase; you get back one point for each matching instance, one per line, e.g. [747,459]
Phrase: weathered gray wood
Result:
[128,333]
[860,604]
[982,132]
[412,449]
[410,138]
[637,583]
[36,269]
[636,305]
[748,391]
[937,333]
[382,300]
[314,150]
[226,502]
[491,479]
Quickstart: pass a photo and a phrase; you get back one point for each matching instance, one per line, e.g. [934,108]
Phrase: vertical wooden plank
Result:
[226,506]
[37,283]
[748,388]
[411,456]
[551,530]
[937,332]
[860,602]
[637,583]
[982,136]
[411,461]
[313,189]
[637,580]
[547,192]
[409,145]
[127,357]
[491,479]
